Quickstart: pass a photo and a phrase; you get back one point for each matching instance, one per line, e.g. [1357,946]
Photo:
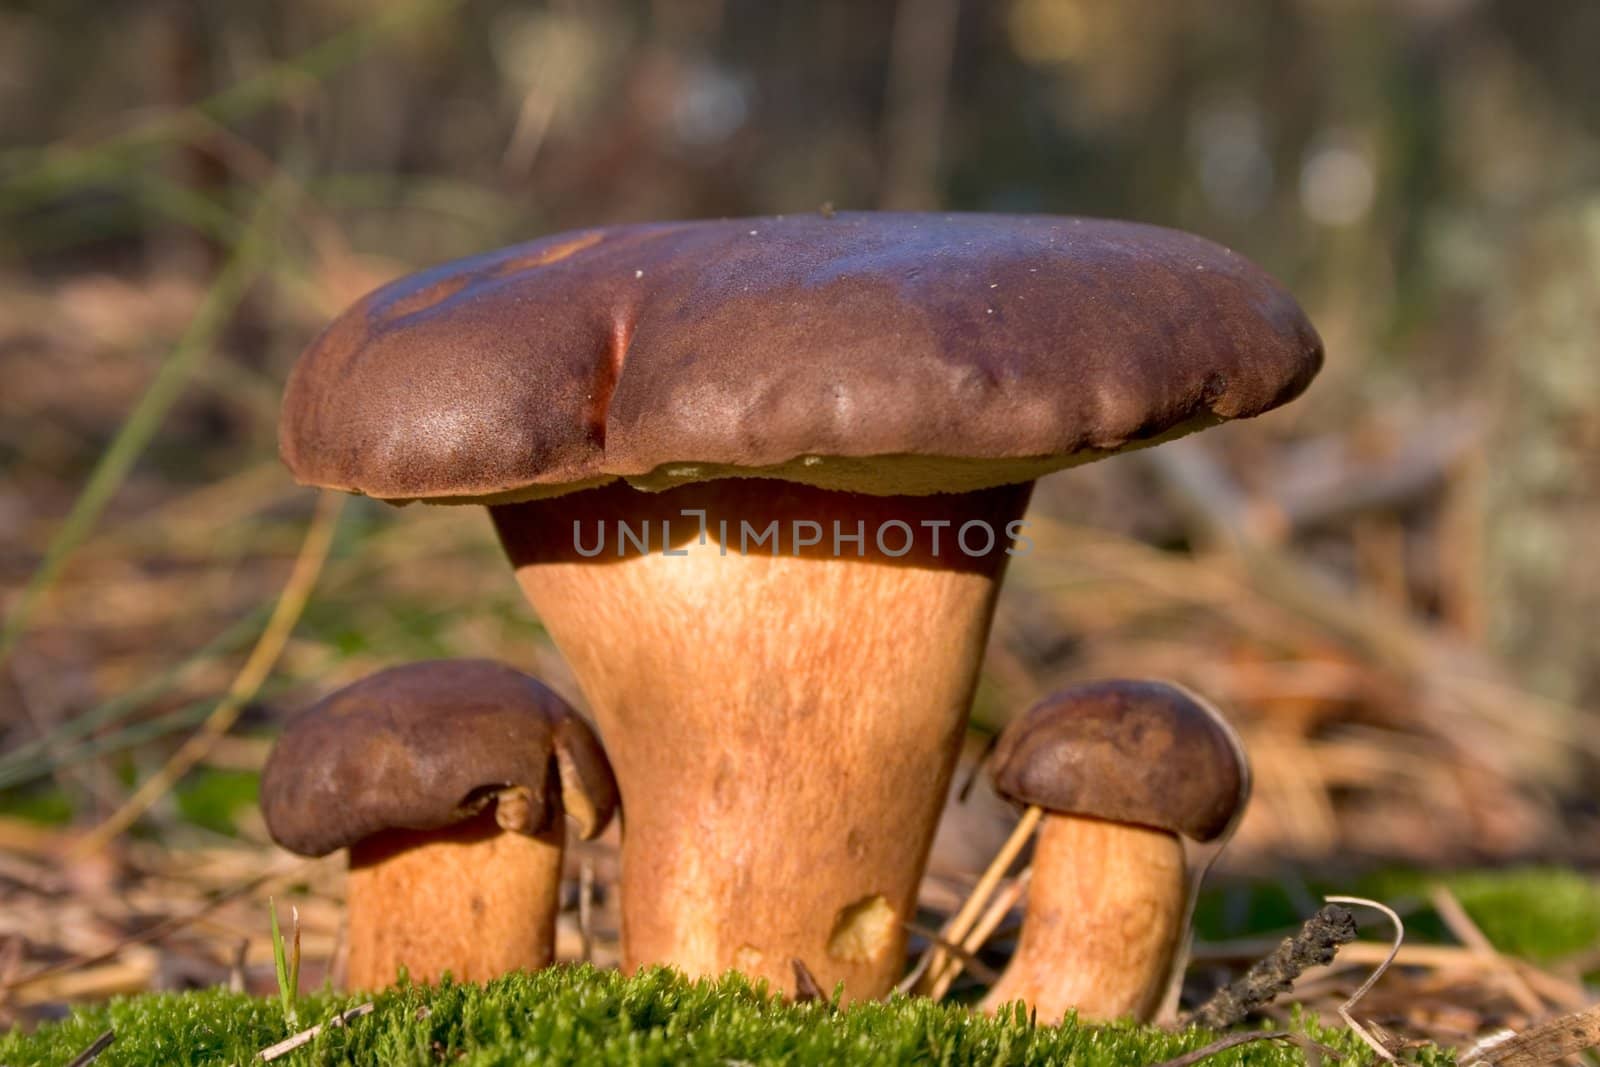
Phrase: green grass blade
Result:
[27,755]
[37,174]
[281,964]
[147,416]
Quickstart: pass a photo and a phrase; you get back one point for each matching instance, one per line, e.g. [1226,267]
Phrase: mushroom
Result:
[760,479]
[1124,771]
[446,781]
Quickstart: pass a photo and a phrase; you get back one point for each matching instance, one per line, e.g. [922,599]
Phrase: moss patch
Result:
[1539,913]
[214,798]
[44,804]
[579,1015]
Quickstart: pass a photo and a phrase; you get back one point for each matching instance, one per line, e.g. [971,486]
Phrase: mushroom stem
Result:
[471,899]
[783,719]
[1103,922]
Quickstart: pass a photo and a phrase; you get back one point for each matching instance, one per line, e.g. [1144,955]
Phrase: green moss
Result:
[1243,909]
[579,1015]
[46,805]
[213,798]
[1540,913]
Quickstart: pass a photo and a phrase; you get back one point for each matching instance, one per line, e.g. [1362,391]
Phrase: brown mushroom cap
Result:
[426,745]
[1144,753]
[878,353]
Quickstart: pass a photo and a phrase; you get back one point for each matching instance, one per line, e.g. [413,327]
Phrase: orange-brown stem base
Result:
[472,900]
[783,724]
[1103,922]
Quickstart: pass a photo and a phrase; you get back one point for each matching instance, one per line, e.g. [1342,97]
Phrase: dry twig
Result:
[806,989]
[305,1037]
[1316,944]
[1538,1045]
[92,1053]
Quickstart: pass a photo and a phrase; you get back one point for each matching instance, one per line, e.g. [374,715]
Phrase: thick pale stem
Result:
[1103,922]
[474,900]
[783,726]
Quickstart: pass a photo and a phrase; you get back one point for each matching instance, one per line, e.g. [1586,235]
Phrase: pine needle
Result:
[285,615]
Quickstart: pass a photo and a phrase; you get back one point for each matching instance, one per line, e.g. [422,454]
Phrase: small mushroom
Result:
[1124,771]
[446,781]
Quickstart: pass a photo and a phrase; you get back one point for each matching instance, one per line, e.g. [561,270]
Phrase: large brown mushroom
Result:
[447,782]
[1124,772]
[760,479]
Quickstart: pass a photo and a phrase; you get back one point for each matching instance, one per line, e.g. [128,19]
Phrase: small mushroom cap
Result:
[426,745]
[884,353]
[1145,753]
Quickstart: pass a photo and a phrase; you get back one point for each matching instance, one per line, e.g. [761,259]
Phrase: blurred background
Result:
[1392,585]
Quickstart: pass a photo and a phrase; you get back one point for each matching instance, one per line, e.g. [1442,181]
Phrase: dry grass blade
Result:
[967,956]
[160,930]
[1454,958]
[236,965]
[92,1053]
[119,977]
[146,418]
[294,949]
[977,768]
[1233,1041]
[931,967]
[586,911]
[31,759]
[976,966]
[305,1037]
[1372,979]
[1167,1013]
[1467,932]
[1538,1045]
[296,591]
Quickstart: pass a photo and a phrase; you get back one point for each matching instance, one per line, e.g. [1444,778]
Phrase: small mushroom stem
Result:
[1103,923]
[783,719]
[471,899]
